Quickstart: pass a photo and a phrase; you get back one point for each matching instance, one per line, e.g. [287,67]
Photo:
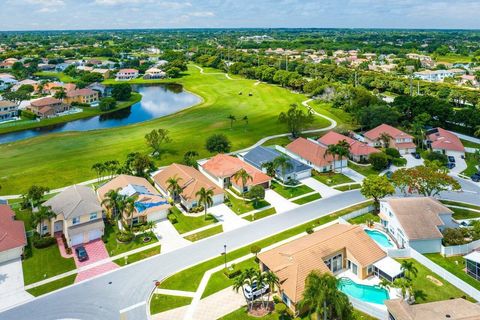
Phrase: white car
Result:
[252,292]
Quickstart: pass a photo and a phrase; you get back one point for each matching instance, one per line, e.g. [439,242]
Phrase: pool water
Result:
[379,238]
[372,294]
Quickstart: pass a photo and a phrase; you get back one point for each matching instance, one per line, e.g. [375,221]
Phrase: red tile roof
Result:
[80,92]
[311,151]
[12,232]
[445,140]
[357,148]
[128,71]
[395,133]
[45,102]
[223,165]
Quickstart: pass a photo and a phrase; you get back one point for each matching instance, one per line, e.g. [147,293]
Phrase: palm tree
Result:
[129,209]
[404,284]
[283,163]
[343,150]
[99,168]
[205,197]
[331,150]
[245,119]
[269,167]
[112,201]
[409,269]
[243,176]
[260,283]
[385,138]
[271,280]
[384,283]
[232,118]
[43,213]
[173,187]
[60,93]
[239,283]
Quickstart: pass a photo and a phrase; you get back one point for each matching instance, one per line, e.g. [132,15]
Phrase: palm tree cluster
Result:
[282,163]
[136,164]
[43,214]
[232,119]
[259,279]
[119,206]
[340,150]
[405,284]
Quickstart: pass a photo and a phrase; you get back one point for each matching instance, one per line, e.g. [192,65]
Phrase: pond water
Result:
[157,101]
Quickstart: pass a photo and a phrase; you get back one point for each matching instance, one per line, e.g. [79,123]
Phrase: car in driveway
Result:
[451,159]
[416,155]
[252,292]
[476,177]
[81,253]
[450,165]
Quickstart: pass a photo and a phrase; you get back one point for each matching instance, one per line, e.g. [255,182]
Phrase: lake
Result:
[157,101]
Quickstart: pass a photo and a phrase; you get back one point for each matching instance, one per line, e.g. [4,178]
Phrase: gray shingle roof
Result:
[260,155]
[75,201]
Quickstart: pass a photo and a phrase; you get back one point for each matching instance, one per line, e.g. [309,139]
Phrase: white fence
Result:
[367,308]
[460,249]
[358,212]
[460,284]
[399,253]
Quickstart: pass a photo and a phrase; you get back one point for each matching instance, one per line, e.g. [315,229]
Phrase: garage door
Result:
[304,174]
[158,215]
[10,254]
[94,234]
[77,239]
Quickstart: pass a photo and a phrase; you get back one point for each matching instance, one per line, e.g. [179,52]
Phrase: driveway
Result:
[412,162]
[227,217]
[11,284]
[352,174]
[278,202]
[460,165]
[324,190]
[169,236]
[96,252]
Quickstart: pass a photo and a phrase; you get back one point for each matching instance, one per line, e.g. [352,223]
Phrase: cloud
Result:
[202,14]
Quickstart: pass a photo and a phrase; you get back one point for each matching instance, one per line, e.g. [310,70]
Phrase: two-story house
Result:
[86,96]
[126,74]
[385,135]
[8,110]
[47,107]
[78,215]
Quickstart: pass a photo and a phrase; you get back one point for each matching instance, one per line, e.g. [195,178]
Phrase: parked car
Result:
[476,177]
[253,291]
[451,159]
[450,165]
[82,254]
[416,155]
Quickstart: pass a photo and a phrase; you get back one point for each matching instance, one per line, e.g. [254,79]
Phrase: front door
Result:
[58,226]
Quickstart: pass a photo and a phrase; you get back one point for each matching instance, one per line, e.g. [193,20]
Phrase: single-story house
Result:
[78,215]
[126,74]
[359,151]
[454,309]
[154,73]
[399,140]
[445,142]
[416,222]
[191,181]
[87,96]
[8,110]
[47,107]
[149,204]
[221,169]
[12,235]
[315,155]
[334,249]
[260,155]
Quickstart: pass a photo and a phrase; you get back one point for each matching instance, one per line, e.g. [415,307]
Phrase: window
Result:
[76,220]
[93,216]
[44,228]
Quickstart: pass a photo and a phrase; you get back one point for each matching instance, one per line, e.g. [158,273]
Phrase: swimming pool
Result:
[379,238]
[372,294]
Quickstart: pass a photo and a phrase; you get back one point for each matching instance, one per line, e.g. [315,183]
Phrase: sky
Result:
[138,14]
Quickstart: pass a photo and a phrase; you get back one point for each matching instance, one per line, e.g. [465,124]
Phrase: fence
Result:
[399,253]
[358,212]
[460,249]
[367,308]
[460,284]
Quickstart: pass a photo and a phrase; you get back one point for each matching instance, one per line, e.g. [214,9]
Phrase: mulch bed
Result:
[259,309]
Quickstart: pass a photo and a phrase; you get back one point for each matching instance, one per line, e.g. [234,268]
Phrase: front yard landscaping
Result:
[455,265]
[460,204]
[114,247]
[241,314]
[52,286]
[290,192]
[462,214]
[365,170]
[138,256]
[162,302]
[205,233]
[240,206]
[331,179]
[472,164]
[307,199]
[349,187]
[44,263]
[185,223]
[364,218]
[432,291]
[260,214]
[470,144]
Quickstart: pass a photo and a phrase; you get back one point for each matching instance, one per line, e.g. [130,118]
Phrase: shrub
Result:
[393,153]
[280,308]
[231,272]
[125,236]
[309,230]
[255,250]
[107,104]
[435,156]
[172,218]
[43,242]
[379,161]
[27,114]
[276,299]
[454,236]
[399,162]
[218,143]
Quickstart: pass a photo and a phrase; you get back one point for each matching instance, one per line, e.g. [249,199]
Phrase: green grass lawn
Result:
[290,192]
[241,314]
[345,120]
[55,75]
[24,215]
[114,247]
[162,302]
[61,159]
[189,279]
[331,179]
[433,292]
[240,206]
[364,218]
[52,286]
[282,141]
[45,263]
[455,265]
[472,164]
[261,214]
[349,187]
[138,256]
[453,58]
[470,144]
[186,223]
[460,204]
[364,170]
[308,199]
[205,233]
[462,214]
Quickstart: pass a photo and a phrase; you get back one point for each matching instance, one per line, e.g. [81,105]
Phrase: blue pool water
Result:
[372,294]
[379,238]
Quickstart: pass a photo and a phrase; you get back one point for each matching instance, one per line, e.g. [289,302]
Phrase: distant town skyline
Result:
[143,14]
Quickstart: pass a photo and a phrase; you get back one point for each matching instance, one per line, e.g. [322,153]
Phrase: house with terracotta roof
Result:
[359,151]
[313,154]
[12,235]
[453,309]
[222,167]
[150,205]
[399,140]
[85,96]
[191,181]
[47,107]
[416,222]
[445,142]
[335,249]
[126,74]
[78,215]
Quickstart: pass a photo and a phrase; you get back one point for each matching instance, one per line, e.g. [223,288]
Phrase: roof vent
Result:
[447,316]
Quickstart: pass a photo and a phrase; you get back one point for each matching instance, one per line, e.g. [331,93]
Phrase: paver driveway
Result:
[96,251]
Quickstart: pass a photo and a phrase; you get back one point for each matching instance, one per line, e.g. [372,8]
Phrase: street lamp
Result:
[225,254]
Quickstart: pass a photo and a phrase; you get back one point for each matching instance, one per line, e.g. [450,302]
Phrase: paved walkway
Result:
[227,217]
[324,190]
[11,284]
[278,202]
[169,236]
